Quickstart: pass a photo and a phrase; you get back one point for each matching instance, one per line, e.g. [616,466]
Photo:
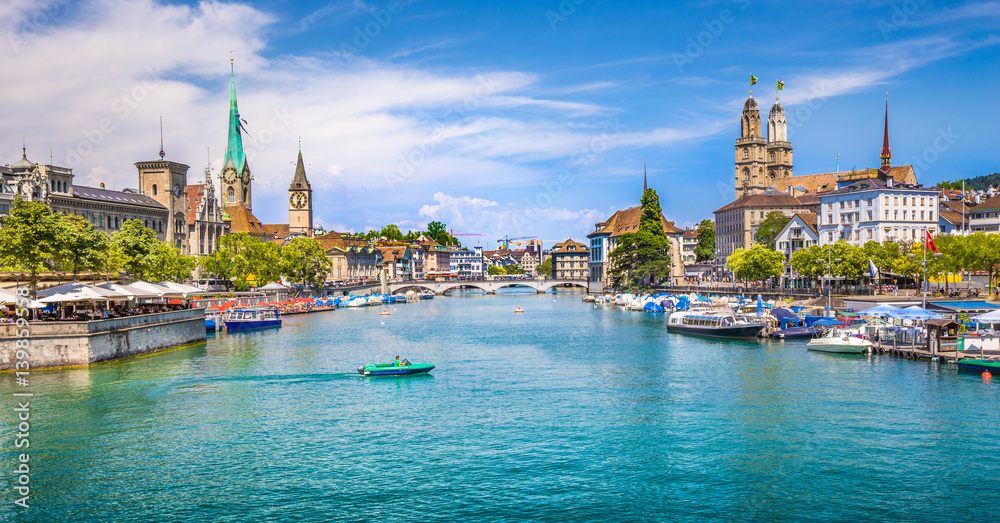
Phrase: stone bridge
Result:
[490,286]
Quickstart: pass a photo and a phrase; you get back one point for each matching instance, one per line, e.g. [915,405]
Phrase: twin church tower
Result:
[760,162]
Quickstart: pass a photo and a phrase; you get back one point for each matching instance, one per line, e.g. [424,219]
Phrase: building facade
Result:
[761,163]
[570,261]
[166,182]
[605,236]
[736,223]
[204,218]
[985,217]
[300,202]
[878,210]
[468,264]
[800,232]
[397,261]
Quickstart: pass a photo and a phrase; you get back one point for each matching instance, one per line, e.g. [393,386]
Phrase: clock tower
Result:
[235,174]
[300,212]
[166,182]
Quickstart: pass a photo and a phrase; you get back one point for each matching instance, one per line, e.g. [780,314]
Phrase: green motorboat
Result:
[992,365]
[391,369]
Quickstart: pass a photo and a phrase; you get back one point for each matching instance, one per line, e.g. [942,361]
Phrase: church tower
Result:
[886,151]
[300,211]
[779,149]
[235,174]
[750,152]
[166,182]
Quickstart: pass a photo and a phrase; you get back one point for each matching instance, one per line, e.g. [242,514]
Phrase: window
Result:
[869,201]
[931,217]
[841,204]
[869,215]
[869,234]
[154,190]
[746,153]
[896,214]
[921,215]
[232,195]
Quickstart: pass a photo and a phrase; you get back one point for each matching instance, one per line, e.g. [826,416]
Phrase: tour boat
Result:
[715,324]
[391,369]
[992,365]
[251,319]
[840,342]
[426,295]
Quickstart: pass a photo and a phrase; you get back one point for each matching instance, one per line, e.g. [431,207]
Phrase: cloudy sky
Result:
[527,118]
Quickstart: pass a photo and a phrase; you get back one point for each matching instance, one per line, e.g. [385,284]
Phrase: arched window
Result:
[116,222]
[773,175]
[154,190]
[746,153]
[232,195]
[244,196]
[772,157]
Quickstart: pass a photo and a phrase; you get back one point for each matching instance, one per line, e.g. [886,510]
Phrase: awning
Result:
[975,307]
[69,292]
[8,297]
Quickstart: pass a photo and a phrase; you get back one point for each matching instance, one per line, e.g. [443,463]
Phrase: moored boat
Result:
[714,324]
[391,369]
[979,365]
[251,319]
[797,332]
[840,342]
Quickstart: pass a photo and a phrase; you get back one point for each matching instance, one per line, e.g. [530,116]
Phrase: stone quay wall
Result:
[65,343]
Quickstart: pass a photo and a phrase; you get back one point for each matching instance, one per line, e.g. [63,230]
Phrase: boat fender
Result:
[987,376]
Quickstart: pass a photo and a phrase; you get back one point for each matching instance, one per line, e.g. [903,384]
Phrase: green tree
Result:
[304,260]
[29,238]
[769,228]
[391,232]
[642,259]
[981,252]
[545,267]
[115,262]
[809,262]
[513,269]
[705,250]
[496,270]
[439,232]
[757,263]
[241,255]
[168,264]
[84,248]
[139,246]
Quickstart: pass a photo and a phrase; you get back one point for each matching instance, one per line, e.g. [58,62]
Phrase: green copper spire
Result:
[234,149]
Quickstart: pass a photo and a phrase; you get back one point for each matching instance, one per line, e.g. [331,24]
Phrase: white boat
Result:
[841,342]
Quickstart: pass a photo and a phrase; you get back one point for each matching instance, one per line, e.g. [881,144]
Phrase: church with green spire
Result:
[235,177]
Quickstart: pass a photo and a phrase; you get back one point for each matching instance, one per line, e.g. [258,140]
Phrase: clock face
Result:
[246,176]
[229,175]
[299,200]
[177,190]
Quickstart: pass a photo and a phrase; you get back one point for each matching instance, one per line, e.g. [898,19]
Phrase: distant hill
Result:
[979,183]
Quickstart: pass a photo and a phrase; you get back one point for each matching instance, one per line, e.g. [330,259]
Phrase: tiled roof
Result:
[824,182]
[691,233]
[277,230]
[954,218]
[807,218]
[105,195]
[992,204]
[875,183]
[564,248]
[762,200]
[242,220]
[393,253]
[340,241]
[956,206]
[627,221]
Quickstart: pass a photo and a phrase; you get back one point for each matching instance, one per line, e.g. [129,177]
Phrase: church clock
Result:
[246,176]
[299,200]
[229,175]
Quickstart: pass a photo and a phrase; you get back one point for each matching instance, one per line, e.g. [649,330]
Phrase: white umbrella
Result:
[183,290]
[989,317]
[77,292]
[128,290]
[155,289]
[7,296]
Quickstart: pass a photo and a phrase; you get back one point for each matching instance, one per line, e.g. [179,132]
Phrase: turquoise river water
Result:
[568,412]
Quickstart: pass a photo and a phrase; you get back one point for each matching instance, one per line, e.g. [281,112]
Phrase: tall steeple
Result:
[886,151]
[645,187]
[234,147]
[300,209]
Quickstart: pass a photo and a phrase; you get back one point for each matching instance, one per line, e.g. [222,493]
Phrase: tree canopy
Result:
[304,260]
[642,259]
[705,250]
[757,263]
[30,237]
[768,229]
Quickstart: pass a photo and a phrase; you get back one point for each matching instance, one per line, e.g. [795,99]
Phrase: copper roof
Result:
[825,182]
[105,195]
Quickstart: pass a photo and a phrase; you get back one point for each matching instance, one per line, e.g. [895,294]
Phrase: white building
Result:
[800,232]
[468,264]
[985,217]
[877,209]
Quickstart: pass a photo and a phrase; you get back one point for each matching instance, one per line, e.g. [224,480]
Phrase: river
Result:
[568,412]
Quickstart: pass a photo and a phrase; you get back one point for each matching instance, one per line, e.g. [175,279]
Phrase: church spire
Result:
[886,151]
[299,181]
[234,148]
[644,186]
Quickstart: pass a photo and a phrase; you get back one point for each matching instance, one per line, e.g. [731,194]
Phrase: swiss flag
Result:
[930,242]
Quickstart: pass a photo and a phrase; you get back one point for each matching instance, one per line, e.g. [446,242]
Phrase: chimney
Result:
[102,185]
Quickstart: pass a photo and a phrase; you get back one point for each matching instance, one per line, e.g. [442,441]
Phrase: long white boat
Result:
[715,324]
[840,342]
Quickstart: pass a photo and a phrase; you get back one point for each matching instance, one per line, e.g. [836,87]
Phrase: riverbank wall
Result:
[76,343]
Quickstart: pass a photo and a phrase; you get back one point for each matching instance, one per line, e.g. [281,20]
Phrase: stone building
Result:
[352,259]
[736,223]
[204,218]
[878,209]
[761,163]
[570,261]
[166,182]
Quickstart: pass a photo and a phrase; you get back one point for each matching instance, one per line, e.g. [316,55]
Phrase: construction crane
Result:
[507,239]
[454,234]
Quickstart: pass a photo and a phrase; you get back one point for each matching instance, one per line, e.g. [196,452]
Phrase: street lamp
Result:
[829,281]
[923,283]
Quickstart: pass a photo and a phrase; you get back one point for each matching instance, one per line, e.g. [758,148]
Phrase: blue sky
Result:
[514,117]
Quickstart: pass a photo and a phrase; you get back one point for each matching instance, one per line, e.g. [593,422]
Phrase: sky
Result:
[520,118]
